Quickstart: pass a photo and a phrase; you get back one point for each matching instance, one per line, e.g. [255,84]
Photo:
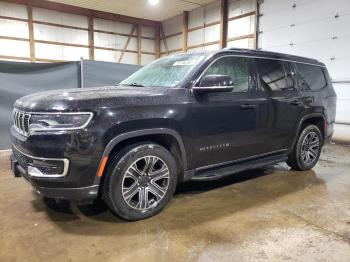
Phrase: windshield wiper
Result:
[134,84]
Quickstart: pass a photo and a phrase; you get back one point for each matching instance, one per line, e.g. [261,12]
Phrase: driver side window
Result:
[235,67]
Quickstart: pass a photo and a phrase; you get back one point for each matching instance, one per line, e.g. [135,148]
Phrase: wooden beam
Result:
[204,44]
[59,25]
[172,51]
[171,35]
[83,11]
[164,39]
[31,33]
[60,43]
[241,16]
[139,44]
[223,23]
[13,18]
[115,49]
[240,37]
[14,57]
[157,43]
[203,26]
[14,38]
[184,30]
[122,34]
[127,43]
[91,38]
[256,26]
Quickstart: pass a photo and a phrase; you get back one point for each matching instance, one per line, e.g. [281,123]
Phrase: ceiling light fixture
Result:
[153,2]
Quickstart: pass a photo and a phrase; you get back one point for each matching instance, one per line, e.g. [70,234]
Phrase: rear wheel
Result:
[141,181]
[307,149]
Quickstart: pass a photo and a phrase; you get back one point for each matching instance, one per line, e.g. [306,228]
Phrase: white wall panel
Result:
[212,33]
[146,59]
[129,58]
[14,48]
[132,44]
[174,42]
[172,25]
[57,17]
[343,108]
[195,37]
[162,46]
[239,7]
[147,45]
[147,31]
[212,12]
[109,41]
[212,47]
[242,43]
[197,49]
[60,34]
[196,18]
[59,52]
[242,26]
[113,26]
[13,10]
[106,55]
[13,28]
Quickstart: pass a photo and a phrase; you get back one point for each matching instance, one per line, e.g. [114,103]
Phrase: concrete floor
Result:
[270,214]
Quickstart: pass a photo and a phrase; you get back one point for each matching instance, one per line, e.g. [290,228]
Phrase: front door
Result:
[228,126]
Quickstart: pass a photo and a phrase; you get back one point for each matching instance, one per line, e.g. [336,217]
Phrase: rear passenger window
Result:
[310,77]
[275,75]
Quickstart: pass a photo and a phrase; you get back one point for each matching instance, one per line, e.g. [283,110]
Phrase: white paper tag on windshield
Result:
[184,63]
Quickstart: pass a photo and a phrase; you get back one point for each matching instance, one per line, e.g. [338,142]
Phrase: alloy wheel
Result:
[310,148]
[145,182]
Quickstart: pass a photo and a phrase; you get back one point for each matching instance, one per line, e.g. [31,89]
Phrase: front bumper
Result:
[62,165]
[79,194]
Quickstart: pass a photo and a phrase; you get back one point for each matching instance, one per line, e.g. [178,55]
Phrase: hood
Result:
[88,98]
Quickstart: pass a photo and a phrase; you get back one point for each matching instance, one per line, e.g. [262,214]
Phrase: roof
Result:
[274,55]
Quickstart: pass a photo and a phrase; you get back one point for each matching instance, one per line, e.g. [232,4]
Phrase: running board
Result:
[219,172]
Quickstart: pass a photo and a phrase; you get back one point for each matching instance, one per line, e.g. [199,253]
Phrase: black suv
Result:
[199,116]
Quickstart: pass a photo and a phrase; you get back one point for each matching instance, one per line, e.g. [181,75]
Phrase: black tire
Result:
[118,174]
[301,160]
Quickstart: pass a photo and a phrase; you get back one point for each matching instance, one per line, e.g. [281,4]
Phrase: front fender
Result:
[138,133]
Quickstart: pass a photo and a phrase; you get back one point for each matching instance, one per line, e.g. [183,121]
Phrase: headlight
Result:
[58,121]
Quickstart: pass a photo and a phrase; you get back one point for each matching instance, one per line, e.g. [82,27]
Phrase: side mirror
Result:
[214,83]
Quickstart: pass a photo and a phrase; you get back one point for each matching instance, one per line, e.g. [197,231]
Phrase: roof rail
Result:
[236,49]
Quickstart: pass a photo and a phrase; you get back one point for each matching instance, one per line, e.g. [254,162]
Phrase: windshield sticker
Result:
[185,63]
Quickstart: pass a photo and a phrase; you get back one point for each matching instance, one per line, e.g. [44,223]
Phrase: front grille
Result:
[46,166]
[21,122]
[22,159]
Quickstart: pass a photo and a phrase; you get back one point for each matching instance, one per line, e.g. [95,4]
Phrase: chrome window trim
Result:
[42,175]
[247,56]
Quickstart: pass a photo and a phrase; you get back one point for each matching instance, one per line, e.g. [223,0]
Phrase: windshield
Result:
[166,72]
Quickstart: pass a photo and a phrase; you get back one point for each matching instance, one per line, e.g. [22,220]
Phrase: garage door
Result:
[312,28]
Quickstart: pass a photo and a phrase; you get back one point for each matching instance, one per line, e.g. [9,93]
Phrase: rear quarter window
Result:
[310,77]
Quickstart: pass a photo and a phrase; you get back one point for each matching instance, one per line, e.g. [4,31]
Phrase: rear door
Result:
[283,101]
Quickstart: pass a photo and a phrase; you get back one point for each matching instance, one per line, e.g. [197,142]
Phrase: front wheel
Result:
[307,149]
[141,181]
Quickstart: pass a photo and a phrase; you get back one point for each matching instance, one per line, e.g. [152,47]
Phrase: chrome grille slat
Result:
[21,121]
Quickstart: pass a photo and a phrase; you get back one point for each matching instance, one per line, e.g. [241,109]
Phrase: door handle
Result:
[296,102]
[248,106]
[309,99]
